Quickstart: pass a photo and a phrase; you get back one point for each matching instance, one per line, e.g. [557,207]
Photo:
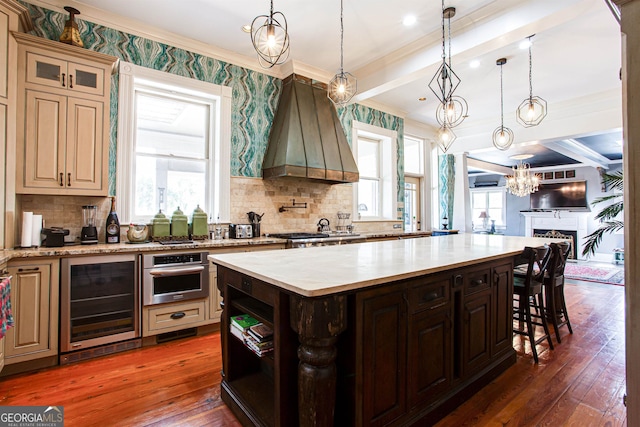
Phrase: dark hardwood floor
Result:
[579,383]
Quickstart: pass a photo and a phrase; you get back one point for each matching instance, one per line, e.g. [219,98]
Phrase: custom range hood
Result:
[307,139]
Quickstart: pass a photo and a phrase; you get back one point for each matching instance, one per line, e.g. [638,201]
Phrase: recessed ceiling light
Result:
[422,98]
[524,44]
[246,28]
[474,64]
[409,20]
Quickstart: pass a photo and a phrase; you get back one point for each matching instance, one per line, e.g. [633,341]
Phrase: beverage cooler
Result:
[99,306]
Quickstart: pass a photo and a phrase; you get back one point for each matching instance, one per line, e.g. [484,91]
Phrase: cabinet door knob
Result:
[61,180]
[63,79]
[178,315]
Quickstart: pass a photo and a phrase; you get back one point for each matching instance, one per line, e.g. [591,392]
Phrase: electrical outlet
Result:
[397,225]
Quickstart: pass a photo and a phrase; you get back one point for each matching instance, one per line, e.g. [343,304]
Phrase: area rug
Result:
[613,275]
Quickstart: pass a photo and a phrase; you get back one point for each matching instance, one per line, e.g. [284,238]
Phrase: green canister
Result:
[160,227]
[199,225]
[179,224]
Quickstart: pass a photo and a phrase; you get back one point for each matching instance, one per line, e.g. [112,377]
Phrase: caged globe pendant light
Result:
[270,38]
[502,136]
[533,109]
[343,85]
[452,109]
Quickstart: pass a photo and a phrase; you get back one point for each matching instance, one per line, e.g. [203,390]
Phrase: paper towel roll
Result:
[36,229]
[27,226]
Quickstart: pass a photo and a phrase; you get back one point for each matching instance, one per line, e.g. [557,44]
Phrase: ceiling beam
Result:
[578,151]
[488,167]
[475,35]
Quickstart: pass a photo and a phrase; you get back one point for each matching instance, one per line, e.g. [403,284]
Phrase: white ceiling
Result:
[576,53]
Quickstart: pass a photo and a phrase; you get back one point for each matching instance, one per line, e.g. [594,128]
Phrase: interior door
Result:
[412,203]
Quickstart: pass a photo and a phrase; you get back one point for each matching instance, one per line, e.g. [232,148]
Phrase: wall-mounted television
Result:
[561,195]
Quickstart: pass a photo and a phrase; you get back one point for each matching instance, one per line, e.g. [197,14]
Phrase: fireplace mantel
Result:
[558,220]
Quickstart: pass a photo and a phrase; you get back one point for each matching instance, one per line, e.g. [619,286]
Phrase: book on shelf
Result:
[257,349]
[243,321]
[261,332]
[239,333]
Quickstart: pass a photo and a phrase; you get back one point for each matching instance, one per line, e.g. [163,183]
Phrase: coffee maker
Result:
[89,233]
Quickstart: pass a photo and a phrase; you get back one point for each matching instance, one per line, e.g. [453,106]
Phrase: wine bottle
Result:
[113,225]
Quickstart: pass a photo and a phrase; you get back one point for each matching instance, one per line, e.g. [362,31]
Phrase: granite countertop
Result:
[326,270]
[102,248]
[125,247]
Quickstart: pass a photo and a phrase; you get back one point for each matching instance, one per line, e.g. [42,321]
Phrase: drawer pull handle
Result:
[61,180]
[70,81]
[442,304]
[478,282]
[63,80]
[20,270]
[178,315]
[69,179]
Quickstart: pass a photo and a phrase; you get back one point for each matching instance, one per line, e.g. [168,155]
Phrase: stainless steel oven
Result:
[169,277]
[99,301]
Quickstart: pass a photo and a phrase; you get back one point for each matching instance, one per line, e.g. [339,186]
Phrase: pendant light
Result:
[343,85]
[533,109]
[452,109]
[270,38]
[502,136]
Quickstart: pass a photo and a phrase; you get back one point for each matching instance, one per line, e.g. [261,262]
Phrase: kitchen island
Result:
[381,333]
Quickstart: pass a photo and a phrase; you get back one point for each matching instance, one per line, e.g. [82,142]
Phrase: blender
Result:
[89,233]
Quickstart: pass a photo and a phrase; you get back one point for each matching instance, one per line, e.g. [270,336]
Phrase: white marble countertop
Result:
[326,270]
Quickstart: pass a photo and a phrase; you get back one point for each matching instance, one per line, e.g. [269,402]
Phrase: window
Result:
[174,145]
[486,206]
[376,154]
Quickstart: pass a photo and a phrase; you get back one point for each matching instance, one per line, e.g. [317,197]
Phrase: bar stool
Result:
[527,291]
[554,288]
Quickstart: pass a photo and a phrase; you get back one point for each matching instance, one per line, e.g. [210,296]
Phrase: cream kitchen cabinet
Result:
[34,302]
[63,118]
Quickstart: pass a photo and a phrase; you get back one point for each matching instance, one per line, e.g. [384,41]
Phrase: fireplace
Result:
[572,236]
[559,224]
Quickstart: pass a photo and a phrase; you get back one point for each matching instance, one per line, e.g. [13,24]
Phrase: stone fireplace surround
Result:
[558,220]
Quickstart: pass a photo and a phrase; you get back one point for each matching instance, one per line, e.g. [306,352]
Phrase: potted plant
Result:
[607,216]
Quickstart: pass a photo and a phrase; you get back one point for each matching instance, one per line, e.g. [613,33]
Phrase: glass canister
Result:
[179,224]
[199,226]
[161,227]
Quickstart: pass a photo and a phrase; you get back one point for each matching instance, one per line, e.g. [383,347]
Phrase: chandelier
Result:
[270,38]
[452,109]
[532,110]
[522,182]
[502,136]
[343,85]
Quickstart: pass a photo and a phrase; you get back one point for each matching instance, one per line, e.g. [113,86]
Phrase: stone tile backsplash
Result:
[247,194]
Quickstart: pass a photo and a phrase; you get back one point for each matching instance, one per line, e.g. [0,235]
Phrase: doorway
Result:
[412,214]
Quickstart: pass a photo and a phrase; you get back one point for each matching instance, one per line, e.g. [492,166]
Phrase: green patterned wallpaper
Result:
[254,98]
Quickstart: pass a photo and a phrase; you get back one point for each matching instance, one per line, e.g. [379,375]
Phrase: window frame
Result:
[387,191]
[488,190]
[219,163]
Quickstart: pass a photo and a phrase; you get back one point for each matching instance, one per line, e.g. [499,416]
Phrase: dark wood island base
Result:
[398,354]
